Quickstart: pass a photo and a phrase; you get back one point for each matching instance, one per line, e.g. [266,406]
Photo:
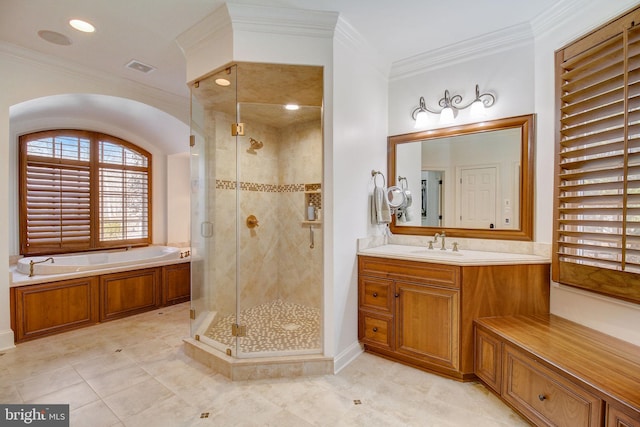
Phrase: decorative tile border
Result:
[266,188]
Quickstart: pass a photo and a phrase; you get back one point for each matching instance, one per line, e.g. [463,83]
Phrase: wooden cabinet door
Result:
[129,292]
[618,418]
[488,359]
[427,323]
[50,308]
[176,283]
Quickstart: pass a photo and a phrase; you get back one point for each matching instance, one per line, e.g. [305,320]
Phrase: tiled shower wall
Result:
[276,259]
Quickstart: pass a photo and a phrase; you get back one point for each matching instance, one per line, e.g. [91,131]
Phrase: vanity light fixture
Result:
[451,104]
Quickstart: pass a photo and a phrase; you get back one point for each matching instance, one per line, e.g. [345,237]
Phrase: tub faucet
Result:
[32,263]
[442,236]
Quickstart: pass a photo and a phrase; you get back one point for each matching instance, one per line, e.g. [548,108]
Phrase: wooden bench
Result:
[557,372]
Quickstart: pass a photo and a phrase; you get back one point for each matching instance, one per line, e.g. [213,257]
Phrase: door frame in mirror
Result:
[526,123]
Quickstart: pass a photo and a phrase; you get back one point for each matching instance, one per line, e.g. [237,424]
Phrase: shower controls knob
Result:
[252,221]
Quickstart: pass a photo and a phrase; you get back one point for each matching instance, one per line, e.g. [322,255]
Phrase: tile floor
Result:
[133,372]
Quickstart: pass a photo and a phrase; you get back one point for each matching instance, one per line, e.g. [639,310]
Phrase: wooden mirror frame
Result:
[526,124]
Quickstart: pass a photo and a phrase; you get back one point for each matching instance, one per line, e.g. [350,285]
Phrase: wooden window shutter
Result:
[597,212]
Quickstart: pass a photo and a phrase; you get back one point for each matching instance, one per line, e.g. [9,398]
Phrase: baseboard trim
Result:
[6,340]
[347,356]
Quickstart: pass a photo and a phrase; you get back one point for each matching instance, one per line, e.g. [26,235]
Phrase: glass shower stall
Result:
[256,210]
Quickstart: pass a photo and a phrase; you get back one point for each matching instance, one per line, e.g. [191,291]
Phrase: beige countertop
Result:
[462,257]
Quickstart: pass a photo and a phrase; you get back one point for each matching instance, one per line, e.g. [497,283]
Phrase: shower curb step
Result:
[259,367]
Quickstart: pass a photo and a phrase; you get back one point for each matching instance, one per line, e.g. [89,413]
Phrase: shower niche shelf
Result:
[312,195]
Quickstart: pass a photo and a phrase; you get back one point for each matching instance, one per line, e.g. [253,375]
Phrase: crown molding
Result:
[170,102]
[217,21]
[554,16]
[487,44]
[277,20]
[557,15]
[347,35]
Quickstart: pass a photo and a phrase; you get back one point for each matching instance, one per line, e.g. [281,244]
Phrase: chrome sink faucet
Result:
[442,236]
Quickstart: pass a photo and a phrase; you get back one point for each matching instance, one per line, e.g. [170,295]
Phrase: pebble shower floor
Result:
[272,326]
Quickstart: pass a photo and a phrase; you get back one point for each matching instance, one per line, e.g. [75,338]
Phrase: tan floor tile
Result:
[116,381]
[95,414]
[47,383]
[137,398]
[171,412]
[75,396]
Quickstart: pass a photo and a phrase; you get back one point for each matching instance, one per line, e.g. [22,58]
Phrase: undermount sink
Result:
[436,252]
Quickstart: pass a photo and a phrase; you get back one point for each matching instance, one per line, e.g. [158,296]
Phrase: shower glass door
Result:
[279,160]
[214,210]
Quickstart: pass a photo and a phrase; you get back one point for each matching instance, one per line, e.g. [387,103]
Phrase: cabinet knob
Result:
[397,295]
[375,295]
[375,329]
[542,397]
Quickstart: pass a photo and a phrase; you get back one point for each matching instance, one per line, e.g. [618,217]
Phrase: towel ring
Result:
[374,174]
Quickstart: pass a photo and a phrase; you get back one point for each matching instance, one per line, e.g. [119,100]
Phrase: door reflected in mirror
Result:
[472,180]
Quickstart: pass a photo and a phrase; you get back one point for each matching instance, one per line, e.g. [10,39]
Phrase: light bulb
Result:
[446,116]
[477,109]
[421,119]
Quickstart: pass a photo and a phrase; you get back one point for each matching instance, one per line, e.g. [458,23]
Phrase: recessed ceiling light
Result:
[222,82]
[292,107]
[81,25]
[54,37]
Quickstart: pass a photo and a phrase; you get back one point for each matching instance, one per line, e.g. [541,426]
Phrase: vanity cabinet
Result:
[421,313]
[556,372]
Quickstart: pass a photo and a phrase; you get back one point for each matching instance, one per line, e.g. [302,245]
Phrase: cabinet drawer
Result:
[545,397]
[376,294]
[375,329]
[426,273]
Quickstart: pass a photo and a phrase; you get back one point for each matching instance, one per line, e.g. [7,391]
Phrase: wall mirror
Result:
[473,180]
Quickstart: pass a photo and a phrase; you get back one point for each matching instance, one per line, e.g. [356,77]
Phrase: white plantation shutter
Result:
[597,220]
[82,190]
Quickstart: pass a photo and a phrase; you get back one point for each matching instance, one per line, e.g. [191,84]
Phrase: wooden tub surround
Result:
[44,309]
[558,373]
[421,313]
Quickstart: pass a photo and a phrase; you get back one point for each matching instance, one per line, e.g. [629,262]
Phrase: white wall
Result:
[178,199]
[523,80]
[359,126]
[23,77]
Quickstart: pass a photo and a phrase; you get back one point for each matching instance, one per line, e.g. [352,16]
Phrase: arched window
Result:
[82,190]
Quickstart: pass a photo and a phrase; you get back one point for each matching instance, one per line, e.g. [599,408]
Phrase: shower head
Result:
[255,144]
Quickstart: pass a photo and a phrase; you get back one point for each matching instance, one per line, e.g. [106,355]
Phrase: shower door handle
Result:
[206,229]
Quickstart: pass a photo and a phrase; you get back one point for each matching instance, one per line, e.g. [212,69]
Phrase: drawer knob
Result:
[375,295]
[542,397]
[397,295]
[375,329]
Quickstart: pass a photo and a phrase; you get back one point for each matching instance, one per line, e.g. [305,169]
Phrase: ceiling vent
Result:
[139,66]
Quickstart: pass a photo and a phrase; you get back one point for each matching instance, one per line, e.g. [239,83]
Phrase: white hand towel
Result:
[380,211]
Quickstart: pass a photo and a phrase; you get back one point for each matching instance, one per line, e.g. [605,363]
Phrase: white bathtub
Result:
[89,261]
